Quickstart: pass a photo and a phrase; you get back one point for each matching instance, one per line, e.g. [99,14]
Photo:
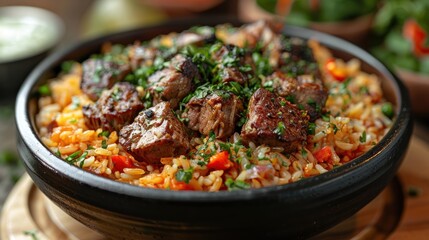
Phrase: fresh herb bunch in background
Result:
[401,27]
[303,12]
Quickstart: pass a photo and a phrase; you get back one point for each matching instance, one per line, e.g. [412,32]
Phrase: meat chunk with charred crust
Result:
[303,91]
[274,121]
[216,113]
[155,133]
[174,82]
[115,108]
[140,55]
[230,62]
[196,36]
[100,74]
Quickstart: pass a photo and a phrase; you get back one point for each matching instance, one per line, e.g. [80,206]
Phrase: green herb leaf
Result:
[236,185]
[362,138]
[280,129]
[311,128]
[184,175]
[104,144]
[104,134]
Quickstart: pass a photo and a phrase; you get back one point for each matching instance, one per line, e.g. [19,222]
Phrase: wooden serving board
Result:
[401,211]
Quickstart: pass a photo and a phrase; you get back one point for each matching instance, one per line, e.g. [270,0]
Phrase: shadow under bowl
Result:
[296,210]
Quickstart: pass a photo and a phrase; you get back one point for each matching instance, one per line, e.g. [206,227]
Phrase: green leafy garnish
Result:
[236,185]
[362,138]
[280,129]
[184,175]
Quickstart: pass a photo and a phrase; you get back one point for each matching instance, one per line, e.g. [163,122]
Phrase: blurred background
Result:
[395,31]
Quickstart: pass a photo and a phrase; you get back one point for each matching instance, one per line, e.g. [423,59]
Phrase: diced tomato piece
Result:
[220,161]
[324,155]
[120,162]
[337,73]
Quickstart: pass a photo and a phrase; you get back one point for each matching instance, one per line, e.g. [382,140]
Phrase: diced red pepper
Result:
[220,161]
[324,155]
[176,185]
[337,73]
[417,35]
[120,162]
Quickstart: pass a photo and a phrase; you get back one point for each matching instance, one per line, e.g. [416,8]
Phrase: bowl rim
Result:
[44,16]
[27,131]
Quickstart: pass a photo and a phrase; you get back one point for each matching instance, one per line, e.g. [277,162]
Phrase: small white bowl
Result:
[27,34]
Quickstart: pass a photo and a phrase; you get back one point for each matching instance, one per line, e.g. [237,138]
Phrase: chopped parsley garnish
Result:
[159,89]
[236,185]
[104,134]
[304,153]
[325,117]
[184,175]
[280,129]
[311,128]
[362,138]
[104,144]
[334,127]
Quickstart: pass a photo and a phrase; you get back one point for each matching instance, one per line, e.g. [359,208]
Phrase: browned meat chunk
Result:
[230,62]
[274,121]
[154,134]
[214,113]
[303,91]
[115,108]
[261,32]
[99,74]
[174,82]
[141,55]
[196,36]
[297,59]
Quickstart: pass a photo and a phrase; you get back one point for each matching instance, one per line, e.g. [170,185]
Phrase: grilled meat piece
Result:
[230,59]
[297,59]
[99,74]
[174,82]
[115,108]
[196,36]
[141,55]
[217,113]
[303,91]
[261,32]
[155,133]
[274,121]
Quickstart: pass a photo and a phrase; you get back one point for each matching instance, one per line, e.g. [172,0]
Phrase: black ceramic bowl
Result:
[296,210]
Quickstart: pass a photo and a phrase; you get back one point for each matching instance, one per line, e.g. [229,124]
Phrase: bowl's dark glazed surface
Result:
[296,210]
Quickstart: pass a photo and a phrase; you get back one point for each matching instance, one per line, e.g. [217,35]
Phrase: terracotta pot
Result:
[355,30]
[418,86]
